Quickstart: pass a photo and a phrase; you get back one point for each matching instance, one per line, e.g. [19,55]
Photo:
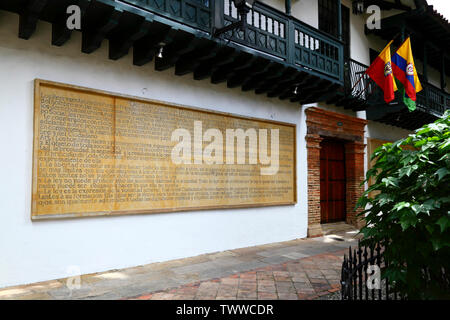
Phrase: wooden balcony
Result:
[361,93]
[276,55]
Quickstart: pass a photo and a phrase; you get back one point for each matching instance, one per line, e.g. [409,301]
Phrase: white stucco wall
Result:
[37,251]
[43,250]
[306,11]
[303,10]
[380,131]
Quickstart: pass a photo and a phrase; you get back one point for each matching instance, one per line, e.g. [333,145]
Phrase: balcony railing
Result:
[269,31]
[266,29]
[195,13]
[357,83]
[434,99]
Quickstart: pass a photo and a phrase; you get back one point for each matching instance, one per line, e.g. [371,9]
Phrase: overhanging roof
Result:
[425,26]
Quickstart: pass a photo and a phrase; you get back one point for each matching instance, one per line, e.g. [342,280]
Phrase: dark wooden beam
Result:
[29,17]
[120,45]
[312,89]
[334,99]
[92,38]
[60,33]
[360,106]
[272,80]
[244,75]
[323,94]
[287,94]
[378,112]
[252,83]
[188,62]
[183,43]
[280,89]
[226,71]
[289,78]
[309,88]
[272,71]
[226,55]
[286,89]
[269,84]
[145,48]
[265,88]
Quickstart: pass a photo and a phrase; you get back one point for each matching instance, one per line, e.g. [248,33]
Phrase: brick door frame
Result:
[323,124]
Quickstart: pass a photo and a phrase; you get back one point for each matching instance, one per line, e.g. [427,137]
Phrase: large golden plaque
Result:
[97,153]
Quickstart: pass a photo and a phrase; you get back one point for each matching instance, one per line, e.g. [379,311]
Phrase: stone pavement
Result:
[306,278]
[297,269]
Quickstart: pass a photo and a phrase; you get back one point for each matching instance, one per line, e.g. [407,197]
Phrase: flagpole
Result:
[365,89]
[359,80]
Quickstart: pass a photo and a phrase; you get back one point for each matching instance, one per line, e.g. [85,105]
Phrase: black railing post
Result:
[350,277]
[365,272]
[287,4]
[360,271]
[290,40]
[339,19]
[344,277]
[425,62]
[378,249]
[217,19]
[341,62]
[386,265]
[355,275]
[443,80]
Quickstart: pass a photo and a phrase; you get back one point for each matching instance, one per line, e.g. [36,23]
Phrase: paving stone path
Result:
[297,269]
[306,278]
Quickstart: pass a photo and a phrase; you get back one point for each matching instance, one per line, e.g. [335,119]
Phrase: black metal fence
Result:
[361,275]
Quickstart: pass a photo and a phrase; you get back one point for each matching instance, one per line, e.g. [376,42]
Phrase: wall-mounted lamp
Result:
[243,8]
[161,50]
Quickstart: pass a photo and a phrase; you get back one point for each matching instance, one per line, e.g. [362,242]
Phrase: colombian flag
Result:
[405,70]
[381,72]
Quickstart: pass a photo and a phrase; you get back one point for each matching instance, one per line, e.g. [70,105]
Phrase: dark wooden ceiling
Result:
[187,49]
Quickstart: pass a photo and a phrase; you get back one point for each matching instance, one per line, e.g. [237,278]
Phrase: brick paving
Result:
[296,269]
[306,278]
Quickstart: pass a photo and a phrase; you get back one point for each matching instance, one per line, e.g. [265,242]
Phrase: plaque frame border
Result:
[36,104]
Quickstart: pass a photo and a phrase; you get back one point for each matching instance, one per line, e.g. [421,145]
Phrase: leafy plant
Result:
[410,215]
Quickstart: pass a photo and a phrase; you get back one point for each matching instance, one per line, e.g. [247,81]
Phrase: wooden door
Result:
[332,181]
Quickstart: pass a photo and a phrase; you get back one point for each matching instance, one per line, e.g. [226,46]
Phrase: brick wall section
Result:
[354,166]
[326,124]
[313,147]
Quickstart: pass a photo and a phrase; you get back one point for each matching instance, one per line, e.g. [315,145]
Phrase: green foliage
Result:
[410,215]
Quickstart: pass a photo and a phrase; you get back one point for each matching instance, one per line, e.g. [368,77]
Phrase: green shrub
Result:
[410,215]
